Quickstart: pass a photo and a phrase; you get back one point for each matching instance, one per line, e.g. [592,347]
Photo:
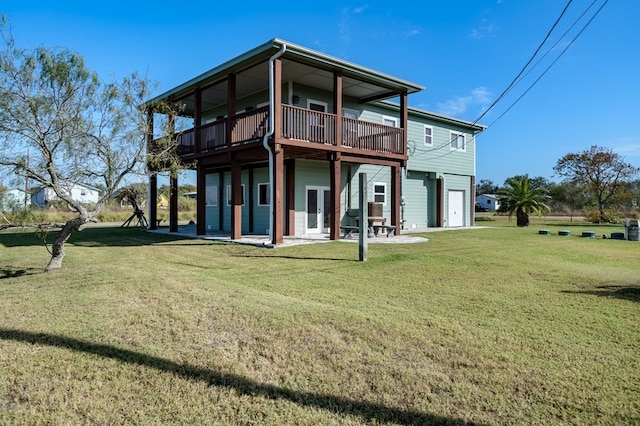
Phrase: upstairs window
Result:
[457,141]
[428,135]
[389,121]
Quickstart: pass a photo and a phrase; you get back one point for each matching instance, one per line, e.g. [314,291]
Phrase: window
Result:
[457,141]
[380,193]
[83,191]
[428,135]
[211,196]
[389,121]
[229,194]
[263,194]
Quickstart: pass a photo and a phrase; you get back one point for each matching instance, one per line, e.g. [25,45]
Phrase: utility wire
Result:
[515,80]
[522,74]
[551,64]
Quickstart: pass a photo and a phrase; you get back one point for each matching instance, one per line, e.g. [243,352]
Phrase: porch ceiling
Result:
[256,79]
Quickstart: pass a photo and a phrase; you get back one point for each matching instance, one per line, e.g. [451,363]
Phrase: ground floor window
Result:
[229,195]
[263,194]
[380,192]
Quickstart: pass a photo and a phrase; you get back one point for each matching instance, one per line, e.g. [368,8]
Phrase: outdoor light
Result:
[295,99]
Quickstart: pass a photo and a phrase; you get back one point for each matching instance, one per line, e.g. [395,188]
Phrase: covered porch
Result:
[249,111]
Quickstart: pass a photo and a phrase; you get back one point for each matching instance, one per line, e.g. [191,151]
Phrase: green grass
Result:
[487,326]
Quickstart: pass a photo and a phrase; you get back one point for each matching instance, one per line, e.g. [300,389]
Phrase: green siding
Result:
[415,191]
[260,213]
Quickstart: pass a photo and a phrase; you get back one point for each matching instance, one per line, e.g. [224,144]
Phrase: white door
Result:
[456,208]
[318,209]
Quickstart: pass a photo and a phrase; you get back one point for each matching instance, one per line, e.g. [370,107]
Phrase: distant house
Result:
[489,202]
[13,199]
[193,194]
[163,202]
[43,196]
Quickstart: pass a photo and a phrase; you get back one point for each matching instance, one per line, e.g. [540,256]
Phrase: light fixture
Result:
[295,99]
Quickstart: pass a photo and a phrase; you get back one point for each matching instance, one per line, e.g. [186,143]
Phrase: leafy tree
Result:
[76,127]
[602,173]
[522,196]
[486,186]
[569,196]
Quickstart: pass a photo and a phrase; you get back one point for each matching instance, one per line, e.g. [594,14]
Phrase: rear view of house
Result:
[279,135]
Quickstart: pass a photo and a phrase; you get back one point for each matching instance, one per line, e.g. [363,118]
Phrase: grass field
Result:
[480,326]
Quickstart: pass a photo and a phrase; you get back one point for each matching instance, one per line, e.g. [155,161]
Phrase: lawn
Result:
[481,326]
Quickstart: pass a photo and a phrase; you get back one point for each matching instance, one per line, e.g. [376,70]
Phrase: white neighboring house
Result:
[13,199]
[488,201]
[43,196]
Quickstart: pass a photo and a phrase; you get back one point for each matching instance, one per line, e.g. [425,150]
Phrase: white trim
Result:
[313,101]
[424,135]
[457,135]
[268,194]
[350,113]
[389,118]
[373,191]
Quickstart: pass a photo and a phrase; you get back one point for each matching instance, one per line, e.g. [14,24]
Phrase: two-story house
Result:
[279,135]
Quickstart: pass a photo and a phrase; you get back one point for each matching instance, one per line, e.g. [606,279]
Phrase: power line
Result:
[515,80]
[522,74]
[551,64]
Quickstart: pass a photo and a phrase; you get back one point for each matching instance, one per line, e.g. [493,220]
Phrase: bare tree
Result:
[77,128]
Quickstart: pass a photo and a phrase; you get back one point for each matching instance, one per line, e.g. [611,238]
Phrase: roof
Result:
[437,117]
[302,65]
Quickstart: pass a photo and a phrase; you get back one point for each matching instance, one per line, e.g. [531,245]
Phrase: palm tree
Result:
[522,196]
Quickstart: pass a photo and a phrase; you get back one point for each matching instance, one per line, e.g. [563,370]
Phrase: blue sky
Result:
[464,52]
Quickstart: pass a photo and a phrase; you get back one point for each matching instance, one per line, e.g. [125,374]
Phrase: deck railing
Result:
[297,124]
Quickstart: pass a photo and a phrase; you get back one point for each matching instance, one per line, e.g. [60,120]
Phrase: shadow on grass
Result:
[616,291]
[94,237]
[366,410]
[288,256]
[16,272]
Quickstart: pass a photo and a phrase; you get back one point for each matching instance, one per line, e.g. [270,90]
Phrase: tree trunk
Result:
[522,218]
[57,248]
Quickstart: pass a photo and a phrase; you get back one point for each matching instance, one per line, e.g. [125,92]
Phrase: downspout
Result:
[265,139]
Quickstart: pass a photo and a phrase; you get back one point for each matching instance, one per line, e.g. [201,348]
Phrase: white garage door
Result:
[456,208]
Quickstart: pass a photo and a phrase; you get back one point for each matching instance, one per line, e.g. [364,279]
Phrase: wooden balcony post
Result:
[197,120]
[336,165]
[277,100]
[231,107]
[395,197]
[201,210]
[337,106]
[173,203]
[153,201]
[236,200]
[291,196]
[153,177]
[472,190]
[278,184]
[440,202]
[404,120]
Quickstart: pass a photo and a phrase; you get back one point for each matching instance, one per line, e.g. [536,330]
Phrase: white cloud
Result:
[480,96]
[627,147]
[484,29]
